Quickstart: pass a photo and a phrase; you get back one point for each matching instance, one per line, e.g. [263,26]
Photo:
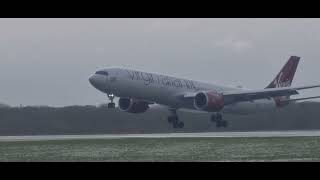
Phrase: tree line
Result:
[45,120]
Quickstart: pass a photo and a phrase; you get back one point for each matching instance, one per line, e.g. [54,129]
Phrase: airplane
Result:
[138,91]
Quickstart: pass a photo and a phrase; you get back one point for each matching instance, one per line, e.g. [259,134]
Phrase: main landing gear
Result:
[111,105]
[217,118]
[175,120]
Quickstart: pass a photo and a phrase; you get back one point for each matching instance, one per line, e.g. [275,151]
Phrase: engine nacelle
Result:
[133,106]
[209,101]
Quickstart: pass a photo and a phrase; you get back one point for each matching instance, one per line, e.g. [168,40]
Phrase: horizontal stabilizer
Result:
[300,99]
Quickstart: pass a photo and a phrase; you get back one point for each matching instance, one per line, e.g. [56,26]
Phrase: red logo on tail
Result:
[284,79]
[285,76]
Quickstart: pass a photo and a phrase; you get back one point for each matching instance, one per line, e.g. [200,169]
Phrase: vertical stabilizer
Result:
[285,76]
[284,79]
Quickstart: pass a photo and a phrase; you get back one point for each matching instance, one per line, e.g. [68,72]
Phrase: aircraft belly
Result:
[151,92]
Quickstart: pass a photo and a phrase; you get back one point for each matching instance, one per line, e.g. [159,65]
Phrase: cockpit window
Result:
[102,73]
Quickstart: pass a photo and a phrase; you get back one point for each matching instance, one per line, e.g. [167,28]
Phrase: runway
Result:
[311,133]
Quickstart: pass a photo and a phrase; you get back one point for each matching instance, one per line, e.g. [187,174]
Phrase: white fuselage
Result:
[166,90]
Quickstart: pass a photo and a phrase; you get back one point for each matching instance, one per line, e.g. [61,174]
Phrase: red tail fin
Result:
[284,79]
[285,76]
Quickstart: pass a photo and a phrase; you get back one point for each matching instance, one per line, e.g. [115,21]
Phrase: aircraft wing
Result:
[250,95]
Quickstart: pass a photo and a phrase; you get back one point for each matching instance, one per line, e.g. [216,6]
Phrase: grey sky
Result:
[48,61]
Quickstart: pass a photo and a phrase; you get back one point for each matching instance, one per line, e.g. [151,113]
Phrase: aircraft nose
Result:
[98,82]
[91,79]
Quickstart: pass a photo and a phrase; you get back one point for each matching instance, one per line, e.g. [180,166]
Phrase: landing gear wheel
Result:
[111,105]
[172,119]
[175,125]
[175,122]
[225,124]
[219,116]
[213,118]
[180,124]
[222,123]
[218,124]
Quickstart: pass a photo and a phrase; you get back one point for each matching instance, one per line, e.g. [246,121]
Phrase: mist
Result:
[48,61]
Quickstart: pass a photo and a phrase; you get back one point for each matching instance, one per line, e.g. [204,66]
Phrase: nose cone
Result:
[91,80]
[98,82]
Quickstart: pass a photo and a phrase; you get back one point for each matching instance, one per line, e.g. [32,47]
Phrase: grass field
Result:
[165,149]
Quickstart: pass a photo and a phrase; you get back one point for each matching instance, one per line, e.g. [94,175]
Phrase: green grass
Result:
[165,149]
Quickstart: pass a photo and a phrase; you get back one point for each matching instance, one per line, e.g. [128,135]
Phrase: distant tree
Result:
[2,105]
[31,120]
[103,105]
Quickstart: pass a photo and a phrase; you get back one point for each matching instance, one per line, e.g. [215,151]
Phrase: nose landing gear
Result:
[111,105]
[217,118]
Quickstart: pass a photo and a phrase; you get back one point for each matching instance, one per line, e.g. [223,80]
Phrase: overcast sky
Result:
[48,61]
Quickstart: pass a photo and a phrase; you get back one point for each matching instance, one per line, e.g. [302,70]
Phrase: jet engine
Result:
[209,101]
[132,105]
